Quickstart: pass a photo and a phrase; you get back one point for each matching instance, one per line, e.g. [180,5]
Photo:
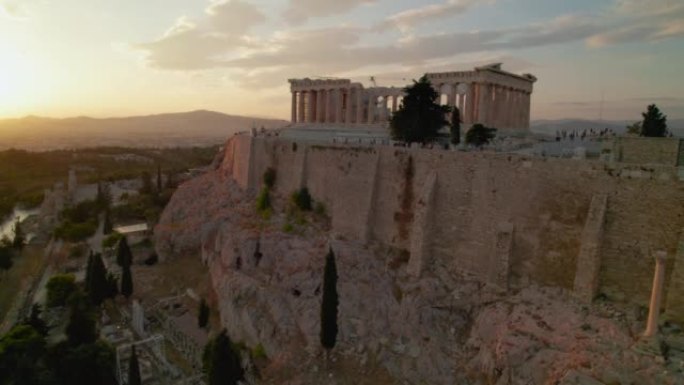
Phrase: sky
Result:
[593,59]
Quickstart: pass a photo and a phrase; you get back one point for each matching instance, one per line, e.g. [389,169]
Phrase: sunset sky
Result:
[114,58]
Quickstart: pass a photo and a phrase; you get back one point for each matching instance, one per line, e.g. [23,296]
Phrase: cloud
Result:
[299,11]
[14,9]
[641,21]
[208,43]
[406,19]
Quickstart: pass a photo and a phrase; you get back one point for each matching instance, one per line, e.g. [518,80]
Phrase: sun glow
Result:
[18,80]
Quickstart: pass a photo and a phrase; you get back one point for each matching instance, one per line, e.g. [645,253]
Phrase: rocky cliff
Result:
[441,328]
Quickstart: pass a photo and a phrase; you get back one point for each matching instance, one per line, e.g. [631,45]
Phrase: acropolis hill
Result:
[455,266]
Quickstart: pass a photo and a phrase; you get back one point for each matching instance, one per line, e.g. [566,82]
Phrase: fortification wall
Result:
[640,150]
[508,220]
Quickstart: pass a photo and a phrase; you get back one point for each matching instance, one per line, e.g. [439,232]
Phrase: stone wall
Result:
[646,151]
[508,220]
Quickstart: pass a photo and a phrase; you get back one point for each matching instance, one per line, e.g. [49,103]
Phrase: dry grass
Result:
[20,277]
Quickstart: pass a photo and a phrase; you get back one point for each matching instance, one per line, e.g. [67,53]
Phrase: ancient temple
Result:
[486,95]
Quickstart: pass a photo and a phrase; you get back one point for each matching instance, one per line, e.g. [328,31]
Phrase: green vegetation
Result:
[25,175]
[97,283]
[6,256]
[126,281]
[420,116]
[269,178]
[79,222]
[59,288]
[222,361]
[263,202]
[124,256]
[654,123]
[301,199]
[259,353]
[203,314]
[479,135]
[455,131]
[82,327]
[133,368]
[111,240]
[329,304]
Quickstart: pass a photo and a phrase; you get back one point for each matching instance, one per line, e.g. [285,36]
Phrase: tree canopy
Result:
[479,135]
[420,116]
[222,362]
[654,123]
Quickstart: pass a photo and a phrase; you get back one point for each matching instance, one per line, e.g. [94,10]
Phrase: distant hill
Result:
[196,128]
[550,127]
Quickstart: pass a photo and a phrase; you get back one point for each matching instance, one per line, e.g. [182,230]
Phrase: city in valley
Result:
[362,192]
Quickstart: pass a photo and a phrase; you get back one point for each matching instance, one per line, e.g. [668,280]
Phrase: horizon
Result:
[594,60]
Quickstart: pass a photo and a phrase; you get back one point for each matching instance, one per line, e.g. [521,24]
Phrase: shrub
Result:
[59,288]
[319,209]
[75,232]
[259,352]
[111,240]
[288,228]
[302,199]
[152,259]
[269,177]
[263,202]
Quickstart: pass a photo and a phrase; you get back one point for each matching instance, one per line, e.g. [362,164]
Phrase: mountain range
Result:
[197,128]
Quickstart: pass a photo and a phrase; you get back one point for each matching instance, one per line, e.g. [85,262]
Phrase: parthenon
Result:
[486,95]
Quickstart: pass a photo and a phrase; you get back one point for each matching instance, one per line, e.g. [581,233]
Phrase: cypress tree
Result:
[203,315]
[124,257]
[221,361]
[329,304]
[89,272]
[126,281]
[98,286]
[133,369]
[455,126]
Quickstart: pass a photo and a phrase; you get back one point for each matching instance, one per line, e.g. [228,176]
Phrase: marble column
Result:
[338,105]
[319,106]
[329,106]
[359,106]
[311,107]
[656,294]
[484,102]
[528,109]
[302,112]
[451,96]
[469,104]
[293,119]
[371,108]
[394,104]
[461,106]
[348,115]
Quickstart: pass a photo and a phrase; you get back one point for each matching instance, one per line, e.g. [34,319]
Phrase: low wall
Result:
[509,220]
[646,151]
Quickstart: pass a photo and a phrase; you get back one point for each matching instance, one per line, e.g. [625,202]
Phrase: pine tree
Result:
[420,117]
[203,314]
[221,361]
[126,281]
[133,369]
[329,304]
[479,135]
[455,126]
[655,123]
[124,257]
